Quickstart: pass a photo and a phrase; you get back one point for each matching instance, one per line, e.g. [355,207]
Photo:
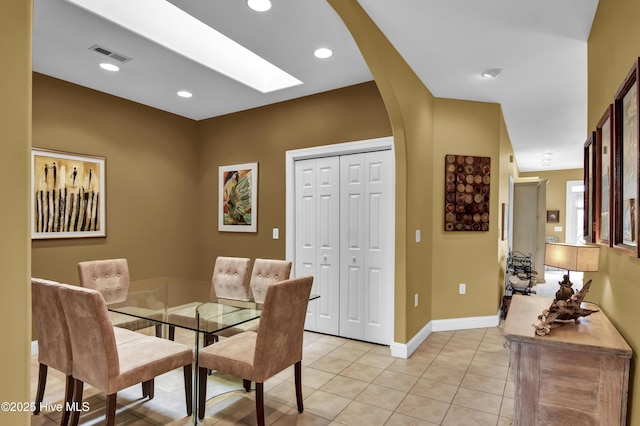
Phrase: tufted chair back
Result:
[54,343]
[266,272]
[110,277]
[229,280]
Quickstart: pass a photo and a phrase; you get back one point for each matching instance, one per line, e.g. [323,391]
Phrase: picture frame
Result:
[627,161]
[238,198]
[467,193]
[505,222]
[604,178]
[553,216]
[589,224]
[68,196]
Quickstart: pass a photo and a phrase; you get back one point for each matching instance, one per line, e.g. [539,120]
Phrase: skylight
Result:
[173,28]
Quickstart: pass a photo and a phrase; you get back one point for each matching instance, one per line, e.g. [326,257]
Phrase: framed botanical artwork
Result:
[589,224]
[604,177]
[553,216]
[237,198]
[67,195]
[626,149]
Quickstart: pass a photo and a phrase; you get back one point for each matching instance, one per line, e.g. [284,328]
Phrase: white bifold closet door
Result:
[344,237]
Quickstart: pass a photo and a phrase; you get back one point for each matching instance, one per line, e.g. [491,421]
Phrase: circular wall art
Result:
[467,183]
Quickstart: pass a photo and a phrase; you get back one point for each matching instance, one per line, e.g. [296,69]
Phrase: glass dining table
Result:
[176,303]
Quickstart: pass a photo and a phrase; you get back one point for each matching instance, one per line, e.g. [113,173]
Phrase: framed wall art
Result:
[67,195]
[588,231]
[553,216]
[626,149]
[467,191]
[237,198]
[604,177]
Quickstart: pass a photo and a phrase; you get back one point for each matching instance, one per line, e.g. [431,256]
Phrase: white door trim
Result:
[292,156]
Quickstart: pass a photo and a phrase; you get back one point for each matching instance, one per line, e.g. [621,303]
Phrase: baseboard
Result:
[404,350]
[34,347]
[466,323]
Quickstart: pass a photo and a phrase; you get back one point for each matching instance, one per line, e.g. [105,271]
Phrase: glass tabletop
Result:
[185,304]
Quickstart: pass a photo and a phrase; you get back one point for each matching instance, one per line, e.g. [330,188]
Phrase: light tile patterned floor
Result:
[454,378]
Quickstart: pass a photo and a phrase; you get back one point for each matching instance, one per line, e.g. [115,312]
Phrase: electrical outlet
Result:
[416,301]
[462,288]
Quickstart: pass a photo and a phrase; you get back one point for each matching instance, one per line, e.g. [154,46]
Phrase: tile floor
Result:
[454,378]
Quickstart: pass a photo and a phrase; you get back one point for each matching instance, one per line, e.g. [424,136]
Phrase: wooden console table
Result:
[577,375]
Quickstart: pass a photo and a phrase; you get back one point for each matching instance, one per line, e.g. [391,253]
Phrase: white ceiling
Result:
[541,45]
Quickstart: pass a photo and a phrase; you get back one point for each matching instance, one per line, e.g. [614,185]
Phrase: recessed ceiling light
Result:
[109,67]
[547,154]
[185,94]
[323,53]
[546,160]
[491,73]
[259,5]
[192,39]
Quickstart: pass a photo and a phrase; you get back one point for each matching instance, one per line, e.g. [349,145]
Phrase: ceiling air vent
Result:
[110,53]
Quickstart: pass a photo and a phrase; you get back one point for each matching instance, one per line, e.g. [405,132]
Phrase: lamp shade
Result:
[572,257]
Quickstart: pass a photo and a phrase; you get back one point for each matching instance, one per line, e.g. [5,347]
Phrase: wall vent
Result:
[110,53]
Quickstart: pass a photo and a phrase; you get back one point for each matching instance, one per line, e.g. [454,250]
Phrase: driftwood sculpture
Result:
[563,310]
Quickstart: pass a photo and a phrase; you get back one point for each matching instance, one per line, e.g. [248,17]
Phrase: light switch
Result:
[557,228]
[276,233]
[417,235]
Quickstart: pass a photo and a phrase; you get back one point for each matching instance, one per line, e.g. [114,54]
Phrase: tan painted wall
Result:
[264,135]
[465,128]
[151,181]
[557,196]
[410,107]
[15,143]
[614,44]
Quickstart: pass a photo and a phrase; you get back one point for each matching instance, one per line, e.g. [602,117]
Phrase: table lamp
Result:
[571,258]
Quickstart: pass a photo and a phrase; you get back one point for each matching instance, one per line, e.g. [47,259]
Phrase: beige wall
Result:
[151,181]
[15,142]
[557,196]
[263,135]
[466,257]
[410,107]
[614,44]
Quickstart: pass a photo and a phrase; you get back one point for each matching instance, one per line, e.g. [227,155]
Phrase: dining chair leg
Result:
[68,398]
[42,381]
[172,332]
[188,388]
[150,388]
[202,391]
[111,409]
[260,403]
[298,379]
[77,402]
[247,384]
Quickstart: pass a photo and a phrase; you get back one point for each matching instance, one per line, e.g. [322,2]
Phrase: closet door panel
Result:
[378,253]
[352,206]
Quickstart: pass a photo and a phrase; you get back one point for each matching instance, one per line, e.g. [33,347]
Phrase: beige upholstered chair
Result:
[54,344]
[99,361]
[255,357]
[111,278]
[266,272]
[229,281]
